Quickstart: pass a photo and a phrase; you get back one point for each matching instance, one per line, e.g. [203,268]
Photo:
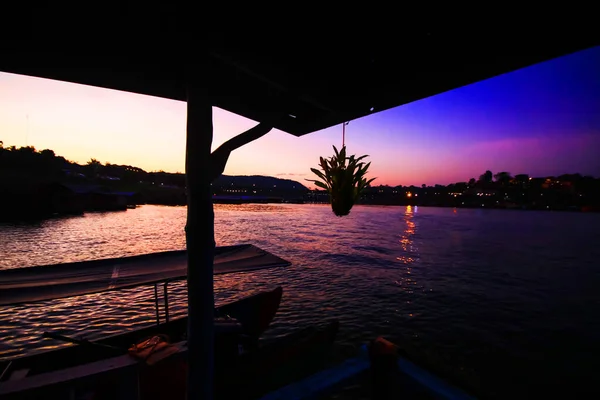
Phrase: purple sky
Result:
[541,120]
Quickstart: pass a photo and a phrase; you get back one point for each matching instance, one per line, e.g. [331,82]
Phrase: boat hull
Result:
[274,364]
[247,376]
[240,322]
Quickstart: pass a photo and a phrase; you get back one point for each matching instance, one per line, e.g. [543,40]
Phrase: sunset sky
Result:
[541,120]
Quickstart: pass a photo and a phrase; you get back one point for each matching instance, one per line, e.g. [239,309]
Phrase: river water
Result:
[509,300]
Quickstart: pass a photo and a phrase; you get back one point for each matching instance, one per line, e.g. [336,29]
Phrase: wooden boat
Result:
[245,376]
[238,323]
[381,371]
[277,363]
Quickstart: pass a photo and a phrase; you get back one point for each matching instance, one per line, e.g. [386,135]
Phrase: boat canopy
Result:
[47,282]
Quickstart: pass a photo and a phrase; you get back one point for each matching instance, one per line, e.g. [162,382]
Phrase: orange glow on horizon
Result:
[82,122]
[448,138]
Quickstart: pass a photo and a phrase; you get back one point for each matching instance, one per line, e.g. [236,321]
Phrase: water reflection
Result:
[408,256]
[250,207]
[406,239]
[434,279]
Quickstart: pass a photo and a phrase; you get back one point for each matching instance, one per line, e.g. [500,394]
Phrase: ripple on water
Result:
[496,292]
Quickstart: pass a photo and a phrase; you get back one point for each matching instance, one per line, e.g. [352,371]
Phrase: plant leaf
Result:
[321,184]
[318,173]
[366,167]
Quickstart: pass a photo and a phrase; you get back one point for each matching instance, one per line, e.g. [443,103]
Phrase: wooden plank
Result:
[73,374]
[67,375]
[19,374]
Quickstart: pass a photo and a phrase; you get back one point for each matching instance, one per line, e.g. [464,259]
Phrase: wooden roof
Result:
[316,75]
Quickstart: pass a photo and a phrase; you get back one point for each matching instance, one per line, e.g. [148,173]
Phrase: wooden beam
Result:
[200,243]
[72,377]
[293,92]
[220,156]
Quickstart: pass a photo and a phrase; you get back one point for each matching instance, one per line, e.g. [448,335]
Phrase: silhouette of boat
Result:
[380,370]
[239,324]
[243,375]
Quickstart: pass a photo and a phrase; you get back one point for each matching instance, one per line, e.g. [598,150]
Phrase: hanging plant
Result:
[343,178]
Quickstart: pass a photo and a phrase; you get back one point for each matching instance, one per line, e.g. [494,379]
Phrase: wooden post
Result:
[200,243]
[384,370]
[156,304]
[166,295]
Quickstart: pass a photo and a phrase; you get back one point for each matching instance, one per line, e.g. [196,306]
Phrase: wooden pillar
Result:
[200,243]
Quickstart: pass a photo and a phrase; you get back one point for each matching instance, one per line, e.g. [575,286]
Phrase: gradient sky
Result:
[542,120]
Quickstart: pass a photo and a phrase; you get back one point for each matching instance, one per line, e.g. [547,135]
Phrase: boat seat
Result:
[18,374]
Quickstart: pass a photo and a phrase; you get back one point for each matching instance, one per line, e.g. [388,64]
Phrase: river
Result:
[509,299]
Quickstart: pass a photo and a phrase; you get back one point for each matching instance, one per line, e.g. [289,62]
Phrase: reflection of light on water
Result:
[251,207]
[324,251]
[406,240]
[408,250]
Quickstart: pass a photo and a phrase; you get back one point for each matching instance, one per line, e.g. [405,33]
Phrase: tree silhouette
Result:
[26,150]
[522,178]
[47,154]
[503,178]
[93,167]
[25,167]
[486,177]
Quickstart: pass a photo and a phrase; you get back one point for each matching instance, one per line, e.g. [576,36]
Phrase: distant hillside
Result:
[26,164]
[258,181]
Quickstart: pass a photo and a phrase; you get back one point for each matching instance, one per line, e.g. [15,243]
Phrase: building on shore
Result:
[30,201]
